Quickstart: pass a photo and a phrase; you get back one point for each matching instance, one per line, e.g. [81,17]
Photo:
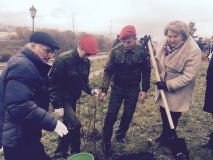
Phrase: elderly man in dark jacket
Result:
[24,101]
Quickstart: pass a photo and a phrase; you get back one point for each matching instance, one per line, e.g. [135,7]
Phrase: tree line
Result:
[66,39]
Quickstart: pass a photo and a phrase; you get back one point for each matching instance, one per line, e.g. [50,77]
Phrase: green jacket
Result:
[128,68]
[68,77]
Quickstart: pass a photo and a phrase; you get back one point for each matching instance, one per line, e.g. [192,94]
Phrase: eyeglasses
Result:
[47,50]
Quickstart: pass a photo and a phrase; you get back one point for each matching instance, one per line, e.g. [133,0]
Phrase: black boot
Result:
[164,143]
[106,148]
[209,144]
[75,140]
[161,137]
[165,139]
[62,148]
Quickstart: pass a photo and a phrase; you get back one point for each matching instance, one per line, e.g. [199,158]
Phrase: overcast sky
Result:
[96,16]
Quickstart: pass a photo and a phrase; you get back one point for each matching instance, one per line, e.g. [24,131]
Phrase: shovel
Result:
[177,145]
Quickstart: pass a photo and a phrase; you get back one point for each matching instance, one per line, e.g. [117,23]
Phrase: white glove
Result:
[210,56]
[95,92]
[61,129]
[59,111]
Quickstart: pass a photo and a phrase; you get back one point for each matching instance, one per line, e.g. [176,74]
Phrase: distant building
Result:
[8,35]
[7,28]
[7,31]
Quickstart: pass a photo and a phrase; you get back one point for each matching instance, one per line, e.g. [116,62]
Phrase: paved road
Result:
[98,57]
[91,58]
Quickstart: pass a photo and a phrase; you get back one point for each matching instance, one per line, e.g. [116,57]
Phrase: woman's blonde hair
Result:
[178,27]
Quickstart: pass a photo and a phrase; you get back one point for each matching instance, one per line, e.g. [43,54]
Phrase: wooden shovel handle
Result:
[161,91]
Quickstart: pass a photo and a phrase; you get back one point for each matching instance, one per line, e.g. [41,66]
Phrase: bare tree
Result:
[110,34]
[73,23]
[192,29]
[71,16]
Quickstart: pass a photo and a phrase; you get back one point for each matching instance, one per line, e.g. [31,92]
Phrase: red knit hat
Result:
[127,32]
[89,44]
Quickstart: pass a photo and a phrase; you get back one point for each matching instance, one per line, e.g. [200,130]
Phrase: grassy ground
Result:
[194,126]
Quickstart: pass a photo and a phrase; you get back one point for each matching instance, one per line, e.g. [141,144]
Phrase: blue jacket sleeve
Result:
[20,102]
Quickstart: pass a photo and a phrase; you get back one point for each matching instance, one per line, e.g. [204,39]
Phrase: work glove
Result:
[61,129]
[161,85]
[95,92]
[60,111]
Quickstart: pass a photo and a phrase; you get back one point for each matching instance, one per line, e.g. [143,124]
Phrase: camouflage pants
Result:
[72,139]
[118,95]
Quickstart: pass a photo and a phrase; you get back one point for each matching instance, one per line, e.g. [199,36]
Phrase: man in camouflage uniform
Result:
[68,77]
[117,41]
[128,63]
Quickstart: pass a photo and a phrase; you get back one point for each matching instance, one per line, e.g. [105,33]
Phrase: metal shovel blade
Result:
[179,149]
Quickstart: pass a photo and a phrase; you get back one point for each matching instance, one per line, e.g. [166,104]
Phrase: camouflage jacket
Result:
[68,77]
[127,68]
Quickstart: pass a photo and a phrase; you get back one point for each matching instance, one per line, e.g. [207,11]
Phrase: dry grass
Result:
[194,126]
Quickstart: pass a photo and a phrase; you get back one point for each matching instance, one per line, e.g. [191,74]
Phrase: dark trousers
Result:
[72,139]
[30,151]
[166,127]
[208,107]
[117,96]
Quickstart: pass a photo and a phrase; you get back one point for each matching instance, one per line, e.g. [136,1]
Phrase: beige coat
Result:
[179,71]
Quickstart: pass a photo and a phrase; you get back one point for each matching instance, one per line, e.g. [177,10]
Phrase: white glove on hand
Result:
[61,129]
[95,92]
[59,111]
[210,56]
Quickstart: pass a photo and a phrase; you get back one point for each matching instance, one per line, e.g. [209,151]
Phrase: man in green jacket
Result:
[129,64]
[68,77]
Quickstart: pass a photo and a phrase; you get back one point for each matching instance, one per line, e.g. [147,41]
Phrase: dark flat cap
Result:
[45,39]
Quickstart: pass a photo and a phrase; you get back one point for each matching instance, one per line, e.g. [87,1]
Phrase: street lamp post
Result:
[33,14]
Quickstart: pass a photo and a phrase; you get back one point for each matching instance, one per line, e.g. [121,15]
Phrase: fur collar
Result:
[177,59]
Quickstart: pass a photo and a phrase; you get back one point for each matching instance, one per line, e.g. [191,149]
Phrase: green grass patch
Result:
[194,125]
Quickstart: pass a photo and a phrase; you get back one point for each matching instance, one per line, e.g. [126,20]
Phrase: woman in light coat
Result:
[178,59]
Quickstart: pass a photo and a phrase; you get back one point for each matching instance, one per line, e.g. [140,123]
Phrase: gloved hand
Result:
[61,129]
[161,85]
[60,111]
[146,40]
[95,92]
